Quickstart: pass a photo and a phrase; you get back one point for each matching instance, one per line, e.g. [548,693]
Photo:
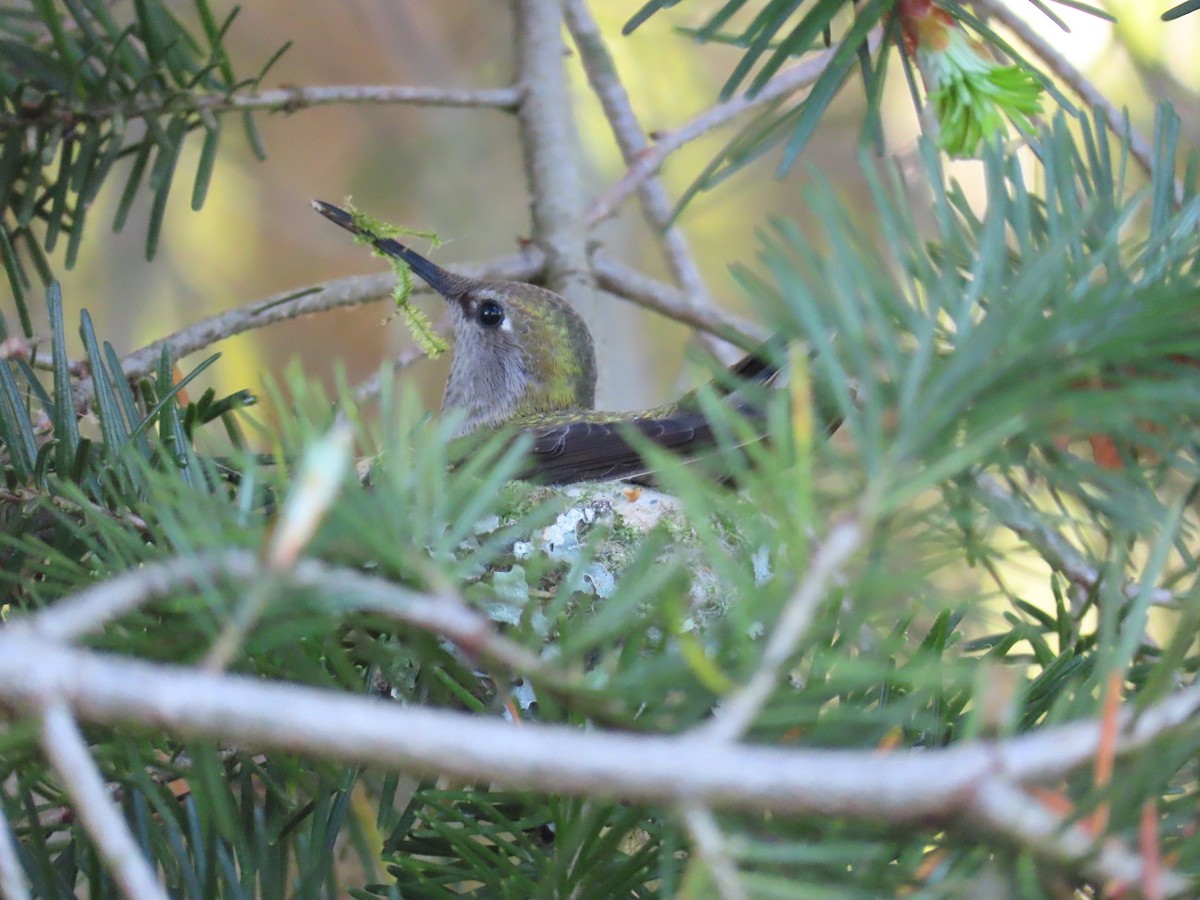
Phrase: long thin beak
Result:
[445,283]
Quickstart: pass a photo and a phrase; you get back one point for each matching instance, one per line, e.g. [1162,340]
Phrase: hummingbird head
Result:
[519,350]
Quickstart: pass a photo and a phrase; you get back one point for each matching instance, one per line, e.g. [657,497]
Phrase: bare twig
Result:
[77,368]
[618,278]
[737,714]
[1006,809]
[253,713]
[1117,120]
[710,846]
[337,294]
[631,139]
[89,610]
[1058,552]
[288,99]
[13,884]
[651,160]
[68,754]
[548,141]
[343,292]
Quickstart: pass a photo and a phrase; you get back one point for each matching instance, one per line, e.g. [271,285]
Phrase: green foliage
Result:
[530,849]
[419,325]
[83,86]
[1074,312]
[776,33]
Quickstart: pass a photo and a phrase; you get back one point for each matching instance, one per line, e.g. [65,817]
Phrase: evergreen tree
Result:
[233,673]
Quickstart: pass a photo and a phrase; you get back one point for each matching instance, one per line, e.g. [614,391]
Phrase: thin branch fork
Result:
[787,82]
[631,139]
[89,610]
[1052,546]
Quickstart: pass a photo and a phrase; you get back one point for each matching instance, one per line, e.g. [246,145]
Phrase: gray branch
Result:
[1006,809]
[631,139]
[1051,545]
[89,610]
[735,716]
[548,141]
[627,282]
[906,785]
[68,754]
[13,885]
[288,99]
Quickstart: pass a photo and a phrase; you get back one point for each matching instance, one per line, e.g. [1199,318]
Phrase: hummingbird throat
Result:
[493,386]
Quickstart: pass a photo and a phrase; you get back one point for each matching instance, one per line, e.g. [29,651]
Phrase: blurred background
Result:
[458,172]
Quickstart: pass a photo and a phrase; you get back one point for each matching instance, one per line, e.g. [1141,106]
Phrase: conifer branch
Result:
[977,790]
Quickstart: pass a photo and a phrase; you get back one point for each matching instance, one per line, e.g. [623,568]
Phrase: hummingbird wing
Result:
[598,448]
[600,451]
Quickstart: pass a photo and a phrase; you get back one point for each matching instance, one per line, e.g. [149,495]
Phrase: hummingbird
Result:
[523,359]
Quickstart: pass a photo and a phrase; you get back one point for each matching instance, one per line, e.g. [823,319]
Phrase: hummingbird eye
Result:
[490,314]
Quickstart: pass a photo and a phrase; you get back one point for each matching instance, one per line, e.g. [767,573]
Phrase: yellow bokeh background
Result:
[459,172]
